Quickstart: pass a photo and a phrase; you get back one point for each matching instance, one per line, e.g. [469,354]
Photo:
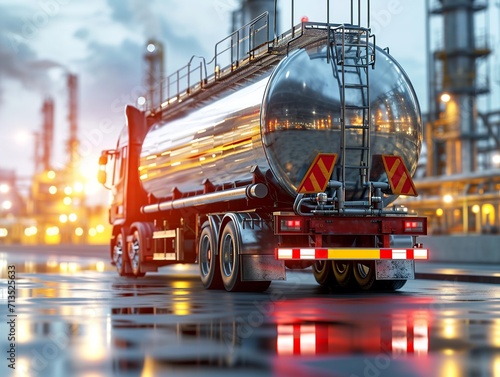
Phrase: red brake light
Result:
[414,226]
[291,225]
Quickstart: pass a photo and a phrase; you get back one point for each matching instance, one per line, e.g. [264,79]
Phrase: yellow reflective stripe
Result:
[353,253]
[314,182]
[324,170]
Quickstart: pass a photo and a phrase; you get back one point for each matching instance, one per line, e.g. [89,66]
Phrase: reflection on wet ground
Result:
[53,265]
[85,321]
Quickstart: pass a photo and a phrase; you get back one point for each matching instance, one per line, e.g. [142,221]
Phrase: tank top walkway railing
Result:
[236,54]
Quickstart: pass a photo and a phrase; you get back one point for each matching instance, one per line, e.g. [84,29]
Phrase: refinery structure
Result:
[54,209]
[459,184]
[458,180]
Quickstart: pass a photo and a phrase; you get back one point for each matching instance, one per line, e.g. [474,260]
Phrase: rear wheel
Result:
[392,285]
[229,256]
[364,273]
[323,273]
[342,270]
[207,259]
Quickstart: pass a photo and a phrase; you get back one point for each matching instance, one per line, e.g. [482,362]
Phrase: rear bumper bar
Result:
[351,254]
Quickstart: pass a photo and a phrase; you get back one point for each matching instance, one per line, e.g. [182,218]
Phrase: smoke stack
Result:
[73,119]
[46,138]
[154,73]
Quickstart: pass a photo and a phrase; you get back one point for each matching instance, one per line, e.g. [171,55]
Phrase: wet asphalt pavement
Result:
[73,316]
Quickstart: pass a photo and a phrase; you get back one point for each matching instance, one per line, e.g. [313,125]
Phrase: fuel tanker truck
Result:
[288,156]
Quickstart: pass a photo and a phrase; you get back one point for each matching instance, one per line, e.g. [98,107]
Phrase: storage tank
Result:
[279,121]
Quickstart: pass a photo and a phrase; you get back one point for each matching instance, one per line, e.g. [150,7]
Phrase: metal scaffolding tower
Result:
[457,82]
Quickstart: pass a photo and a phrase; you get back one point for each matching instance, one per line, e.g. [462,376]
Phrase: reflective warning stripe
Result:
[398,176]
[349,253]
[317,176]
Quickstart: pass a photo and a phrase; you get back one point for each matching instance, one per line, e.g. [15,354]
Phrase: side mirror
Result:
[101,176]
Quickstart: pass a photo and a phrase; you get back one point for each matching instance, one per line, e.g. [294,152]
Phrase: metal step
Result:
[356,148]
[354,65]
[356,166]
[356,107]
[356,127]
[361,44]
[349,71]
[355,86]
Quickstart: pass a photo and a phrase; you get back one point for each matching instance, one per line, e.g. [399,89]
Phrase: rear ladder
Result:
[352,53]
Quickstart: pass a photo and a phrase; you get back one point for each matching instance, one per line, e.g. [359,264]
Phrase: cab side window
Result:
[119,165]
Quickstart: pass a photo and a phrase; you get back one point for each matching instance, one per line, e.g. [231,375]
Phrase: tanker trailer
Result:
[289,157]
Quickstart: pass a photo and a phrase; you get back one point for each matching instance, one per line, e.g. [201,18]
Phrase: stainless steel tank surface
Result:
[280,122]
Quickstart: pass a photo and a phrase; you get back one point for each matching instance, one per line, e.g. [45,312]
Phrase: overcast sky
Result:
[103,41]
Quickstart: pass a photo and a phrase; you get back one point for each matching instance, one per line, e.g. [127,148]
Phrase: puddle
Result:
[72,322]
[51,265]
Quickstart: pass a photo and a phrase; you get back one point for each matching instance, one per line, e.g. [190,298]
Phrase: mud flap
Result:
[395,269]
[262,268]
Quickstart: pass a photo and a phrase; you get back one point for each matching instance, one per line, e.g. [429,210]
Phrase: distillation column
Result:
[460,85]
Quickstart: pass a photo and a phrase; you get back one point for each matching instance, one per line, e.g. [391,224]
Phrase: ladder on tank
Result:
[352,54]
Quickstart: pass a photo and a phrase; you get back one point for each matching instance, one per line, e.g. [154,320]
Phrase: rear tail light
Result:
[291,225]
[414,226]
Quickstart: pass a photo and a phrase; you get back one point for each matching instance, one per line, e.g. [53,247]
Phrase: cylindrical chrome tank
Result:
[280,121]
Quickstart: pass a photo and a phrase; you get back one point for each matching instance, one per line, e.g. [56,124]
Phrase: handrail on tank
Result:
[182,81]
[239,37]
[180,84]
[353,9]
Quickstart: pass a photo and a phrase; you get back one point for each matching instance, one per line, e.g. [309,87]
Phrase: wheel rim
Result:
[319,265]
[118,253]
[205,256]
[363,270]
[133,252]
[341,268]
[227,255]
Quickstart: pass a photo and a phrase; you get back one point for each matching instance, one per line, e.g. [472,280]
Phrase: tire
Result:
[207,259]
[229,257]
[135,250]
[364,273]
[342,270]
[119,257]
[230,268]
[392,285]
[323,273]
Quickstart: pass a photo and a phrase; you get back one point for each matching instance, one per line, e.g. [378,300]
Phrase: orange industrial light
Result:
[445,97]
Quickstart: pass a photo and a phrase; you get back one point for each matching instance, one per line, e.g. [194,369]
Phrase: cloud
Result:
[144,16]
[82,33]
[138,13]
[19,62]
[43,64]
[111,78]
[121,11]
